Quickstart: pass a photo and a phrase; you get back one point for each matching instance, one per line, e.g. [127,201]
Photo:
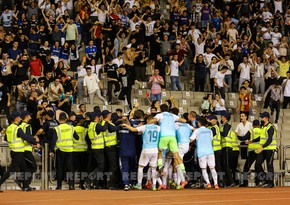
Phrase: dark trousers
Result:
[110,88]
[140,73]
[226,161]
[267,155]
[211,84]
[80,162]
[126,92]
[199,84]
[64,164]
[17,165]
[220,91]
[7,113]
[98,171]
[30,164]
[234,165]
[111,154]
[275,105]
[286,101]
[218,165]
[252,155]
[128,167]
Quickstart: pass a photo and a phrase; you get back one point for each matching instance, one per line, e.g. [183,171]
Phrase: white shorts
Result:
[146,158]
[207,160]
[182,150]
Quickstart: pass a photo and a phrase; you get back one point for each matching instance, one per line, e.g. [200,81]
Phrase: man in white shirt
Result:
[228,75]
[232,33]
[259,75]
[265,32]
[219,82]
[119,60]
[173,72]
[92,87]
[245,69]
[286,86]
[244,126]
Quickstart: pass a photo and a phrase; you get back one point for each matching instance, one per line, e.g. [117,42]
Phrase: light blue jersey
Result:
[166,121]
[151,136]
[204,142]
[183,132]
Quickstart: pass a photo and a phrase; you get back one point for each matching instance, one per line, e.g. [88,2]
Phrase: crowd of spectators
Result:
[112,45]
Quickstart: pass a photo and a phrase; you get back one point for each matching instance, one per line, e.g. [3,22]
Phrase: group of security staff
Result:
[69,141]
[261,145]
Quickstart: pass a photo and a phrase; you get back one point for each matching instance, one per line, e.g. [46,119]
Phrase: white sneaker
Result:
[106,102]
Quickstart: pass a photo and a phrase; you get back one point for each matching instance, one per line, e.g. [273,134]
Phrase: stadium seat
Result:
[184,102]
[199,95]
[187,95]
[176,94]
[195,103]
[165,94]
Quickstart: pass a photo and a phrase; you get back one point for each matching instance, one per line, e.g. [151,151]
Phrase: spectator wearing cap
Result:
[15,138]
[5,100]
[96,137]
[111,152]
[276,98]
[268,145]
[27,129]
[252,139]
[227,144]
[62,143]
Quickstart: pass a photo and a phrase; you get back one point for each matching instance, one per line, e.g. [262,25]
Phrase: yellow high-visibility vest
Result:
[109,137]
[217,139]
[96,139]
[15,143]
[255,133]
[64,137]
[227,141]
[80,145]
[264,137]
[24,127]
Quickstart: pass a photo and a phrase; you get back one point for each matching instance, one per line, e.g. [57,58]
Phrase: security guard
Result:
[80,155]
[235,156]
[96,135]
[216,145]
[268,145]
[62,142]
[252,139]
[15,138]
[111,152]
[29,158]
[227,148]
